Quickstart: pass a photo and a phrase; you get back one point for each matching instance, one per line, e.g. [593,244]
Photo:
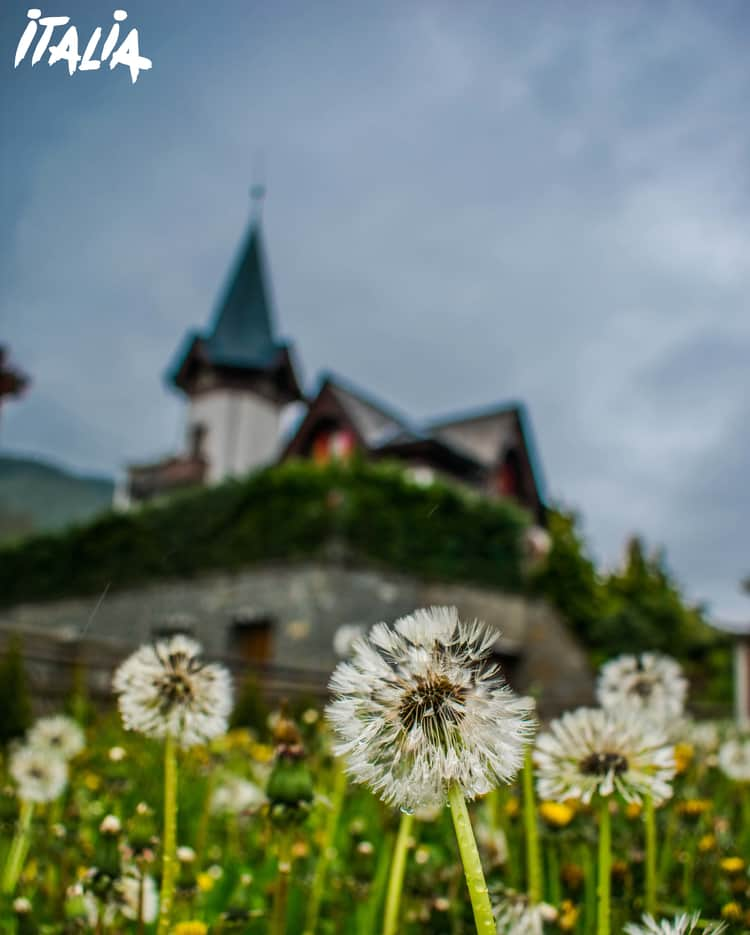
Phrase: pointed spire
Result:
[243,333]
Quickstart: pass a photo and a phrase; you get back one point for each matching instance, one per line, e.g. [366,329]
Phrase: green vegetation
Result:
[15,703]
[375,513]
[293,511]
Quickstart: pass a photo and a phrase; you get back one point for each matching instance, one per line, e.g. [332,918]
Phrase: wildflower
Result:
[235,795]
[418,708]
[512,807]
[732,865]
[515,915]
[694,808]
[707,843]
[345,637]
[633,810]
[734,760]
[39,776]
[556,814]
[185,855]
[731,911]
[166,689]
[128,894]
[683,757]
[110,824]
[190,928]
[703,735]
[117,754]
[651,682]
[310,716]
[21,906]
[680,925]
[591,752]
[58,735]
[205,882]
[568,917]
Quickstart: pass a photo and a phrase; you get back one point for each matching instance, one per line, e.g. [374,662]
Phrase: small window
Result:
[250,637]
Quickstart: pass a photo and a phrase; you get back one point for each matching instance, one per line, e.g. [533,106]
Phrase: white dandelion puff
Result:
[516,915]
[590,752]
[167,689]
[734,759]
[59,735]
[40,777]
[681,925]
[130,890]
[235,795]
[418,707]
[651,682]
[345,637]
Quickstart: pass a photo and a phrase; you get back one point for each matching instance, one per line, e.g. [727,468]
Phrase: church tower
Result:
[238,376]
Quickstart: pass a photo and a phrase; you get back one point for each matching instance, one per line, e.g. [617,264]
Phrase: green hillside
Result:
[36,496]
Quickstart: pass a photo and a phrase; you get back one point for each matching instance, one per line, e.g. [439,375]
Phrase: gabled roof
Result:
[486,432]
[374,421]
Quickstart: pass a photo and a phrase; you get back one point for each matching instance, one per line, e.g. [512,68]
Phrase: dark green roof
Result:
[242,334]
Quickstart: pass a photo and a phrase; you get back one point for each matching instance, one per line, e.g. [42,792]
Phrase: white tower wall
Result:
[241,431]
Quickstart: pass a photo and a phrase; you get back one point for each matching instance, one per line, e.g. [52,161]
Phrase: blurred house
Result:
[240,382]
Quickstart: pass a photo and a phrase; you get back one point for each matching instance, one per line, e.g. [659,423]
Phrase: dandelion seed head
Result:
[58,735]
[680,925]
[418,706]
[591,752]
[651,682]
[167,689]
[40,777]
[734,759]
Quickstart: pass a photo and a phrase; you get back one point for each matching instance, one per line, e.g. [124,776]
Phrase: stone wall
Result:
[305,604]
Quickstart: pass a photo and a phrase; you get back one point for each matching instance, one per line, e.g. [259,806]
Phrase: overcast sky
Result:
[467,203]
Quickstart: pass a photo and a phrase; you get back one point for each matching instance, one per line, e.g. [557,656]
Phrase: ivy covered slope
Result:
[292,511]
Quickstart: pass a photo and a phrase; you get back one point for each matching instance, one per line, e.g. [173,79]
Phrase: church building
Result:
[240,382]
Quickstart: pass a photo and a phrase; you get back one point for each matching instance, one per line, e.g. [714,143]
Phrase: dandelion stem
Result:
[18,849]
[396,878]
[329,835]
[605,867]
[278,920]
[467,846]
[533,858]
[649,816]
[169,844]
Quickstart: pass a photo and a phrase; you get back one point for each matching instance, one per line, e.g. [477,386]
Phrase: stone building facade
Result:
[283,618]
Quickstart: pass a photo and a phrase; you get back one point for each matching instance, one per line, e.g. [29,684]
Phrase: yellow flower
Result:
[683,756]
[732,912]
[190,928]
[205,882]
[261,752]
[633,810]
[557,814]
[694,808]
[568,918]
[732,865]
[92,781]
[707,843]
[300,849]
[512,807]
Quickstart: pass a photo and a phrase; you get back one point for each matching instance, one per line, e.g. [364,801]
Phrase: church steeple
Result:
[243,332]
[240,348]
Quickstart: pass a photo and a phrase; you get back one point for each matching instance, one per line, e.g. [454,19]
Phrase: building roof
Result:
[242,335]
